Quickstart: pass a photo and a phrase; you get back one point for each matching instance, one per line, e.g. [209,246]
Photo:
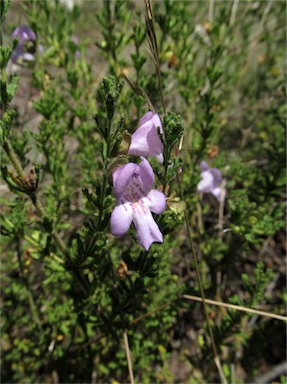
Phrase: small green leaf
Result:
[104,150]
[4,5]
[12,86]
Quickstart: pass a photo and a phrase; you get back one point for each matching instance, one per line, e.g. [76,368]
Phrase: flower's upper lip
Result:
[24,33]
[123,175]
[148,116]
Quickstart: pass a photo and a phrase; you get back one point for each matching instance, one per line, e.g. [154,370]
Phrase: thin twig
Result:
[41,211]
[13,158]
[275,372]
[265,14]
[150,313]
[221,209]
[254,38]
[211,10]
[152,40]
[212,302]
[236,307]
[233,12]
[33,306]
[127,348]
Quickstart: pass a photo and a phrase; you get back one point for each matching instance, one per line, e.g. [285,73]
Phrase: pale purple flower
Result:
[41,49]
[145,140]
[211,180]
[25,35]
[136,200]
[75,40]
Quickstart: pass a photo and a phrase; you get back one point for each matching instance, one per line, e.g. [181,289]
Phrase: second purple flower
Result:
[145,140]
[211,179]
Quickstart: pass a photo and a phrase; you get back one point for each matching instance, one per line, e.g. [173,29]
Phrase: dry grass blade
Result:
[150,313]
[152,41]
[150,32]
[271,375]
[233,12]
[236,307]
[212,302]
[138,90]
[127,348]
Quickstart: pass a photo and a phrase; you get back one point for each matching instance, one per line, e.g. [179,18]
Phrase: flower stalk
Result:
[32,303]
[13,158]
[31,192]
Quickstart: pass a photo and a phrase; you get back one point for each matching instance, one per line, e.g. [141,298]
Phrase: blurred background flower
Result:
[211,180]
[25,49]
